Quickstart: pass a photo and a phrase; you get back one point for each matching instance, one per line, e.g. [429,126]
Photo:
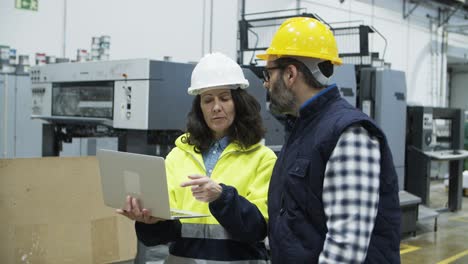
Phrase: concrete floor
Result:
[449,244]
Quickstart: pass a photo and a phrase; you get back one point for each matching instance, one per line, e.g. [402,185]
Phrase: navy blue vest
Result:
[297,223]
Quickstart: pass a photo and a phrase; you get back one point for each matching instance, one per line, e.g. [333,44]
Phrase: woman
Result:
[218,168]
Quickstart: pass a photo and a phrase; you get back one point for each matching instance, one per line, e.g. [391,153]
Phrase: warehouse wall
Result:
[147,28]
[141,28]
[28,31]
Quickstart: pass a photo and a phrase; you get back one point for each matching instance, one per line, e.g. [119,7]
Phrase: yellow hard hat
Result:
[304,37]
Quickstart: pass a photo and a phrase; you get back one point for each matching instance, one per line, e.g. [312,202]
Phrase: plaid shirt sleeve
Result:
[351,196]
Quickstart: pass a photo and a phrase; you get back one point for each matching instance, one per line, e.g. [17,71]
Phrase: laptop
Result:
[140,176]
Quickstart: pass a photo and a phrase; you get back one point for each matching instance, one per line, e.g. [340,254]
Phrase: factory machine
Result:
[427,142]
[345,79]
[19,136]
[382,96]
[142,102]
[137,101]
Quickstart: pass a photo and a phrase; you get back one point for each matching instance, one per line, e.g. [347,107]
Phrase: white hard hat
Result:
[214,70]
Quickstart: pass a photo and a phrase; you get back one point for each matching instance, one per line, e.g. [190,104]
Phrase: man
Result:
[333,195]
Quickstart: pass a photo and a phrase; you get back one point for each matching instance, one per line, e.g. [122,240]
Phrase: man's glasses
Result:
[266,72]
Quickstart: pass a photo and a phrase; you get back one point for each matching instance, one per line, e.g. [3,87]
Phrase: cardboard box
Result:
[52,212]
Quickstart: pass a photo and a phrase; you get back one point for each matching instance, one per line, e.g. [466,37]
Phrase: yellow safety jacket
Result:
[236,227]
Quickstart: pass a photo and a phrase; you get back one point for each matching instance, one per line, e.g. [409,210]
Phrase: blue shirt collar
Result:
[310,100]
[223,142]
[211,156]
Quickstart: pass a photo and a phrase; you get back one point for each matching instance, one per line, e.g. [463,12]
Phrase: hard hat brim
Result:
[199,90]
[266,56]
[263,56]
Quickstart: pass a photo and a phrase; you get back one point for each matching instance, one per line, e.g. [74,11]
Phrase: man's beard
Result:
[282,100]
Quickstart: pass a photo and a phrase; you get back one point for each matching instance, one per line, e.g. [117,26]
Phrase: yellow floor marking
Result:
[453,258]
[463,218]
[405,248]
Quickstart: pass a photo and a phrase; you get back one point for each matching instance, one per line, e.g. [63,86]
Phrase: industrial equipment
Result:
[345,78]
[129,94]
[19,136]
[421,150]
[142,102]
[382,96]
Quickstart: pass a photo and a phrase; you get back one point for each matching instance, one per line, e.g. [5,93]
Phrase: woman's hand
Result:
[133,211]
[203,188]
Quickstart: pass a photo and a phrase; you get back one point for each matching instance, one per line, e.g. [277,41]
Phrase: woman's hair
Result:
[246,129]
